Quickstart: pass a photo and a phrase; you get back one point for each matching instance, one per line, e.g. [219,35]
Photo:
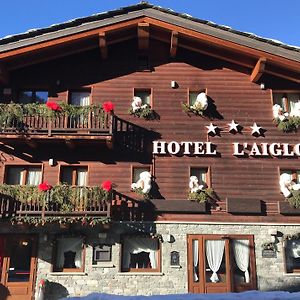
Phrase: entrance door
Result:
[18,266]
[221,264]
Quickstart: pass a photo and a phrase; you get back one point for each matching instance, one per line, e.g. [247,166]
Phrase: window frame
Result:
[74,176]
[33,97]
[150,90]
[80,90]
[208,173]
[191,90]
[287,104]
[54,256]
[140,270]
[133,167]
[99,262]
[26,167]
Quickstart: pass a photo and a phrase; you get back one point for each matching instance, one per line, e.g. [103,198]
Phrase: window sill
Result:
[175,267]
[291,274]
[68,273]
[103,266]
[141,273]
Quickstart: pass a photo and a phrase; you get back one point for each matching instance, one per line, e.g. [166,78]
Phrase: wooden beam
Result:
[4,75]
[143,36]
[174,43]
[258,70]
[103,45]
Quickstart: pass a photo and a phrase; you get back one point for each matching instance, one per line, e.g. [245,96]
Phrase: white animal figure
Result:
[136,103]
[144,182]
[296,109]
[194,184]
[287,185]
[201,101]
[277,111]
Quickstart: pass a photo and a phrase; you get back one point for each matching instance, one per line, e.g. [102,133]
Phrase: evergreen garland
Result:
[196,110]
[202,195]
[144,112]
[294,199]
[289,124]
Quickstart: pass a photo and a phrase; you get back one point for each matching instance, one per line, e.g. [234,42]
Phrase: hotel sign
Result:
[238,149]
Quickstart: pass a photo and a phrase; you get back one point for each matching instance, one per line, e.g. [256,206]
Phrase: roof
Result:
[145,9]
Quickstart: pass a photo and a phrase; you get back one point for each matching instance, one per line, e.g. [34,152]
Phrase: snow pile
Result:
[250,295]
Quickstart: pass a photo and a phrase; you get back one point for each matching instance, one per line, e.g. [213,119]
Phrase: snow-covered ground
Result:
[251,295]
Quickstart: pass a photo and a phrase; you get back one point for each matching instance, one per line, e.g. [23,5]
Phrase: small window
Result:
[193,96]
[287,101]
[136,171]
[69,254]
[140,254]
[101,253]
[145,95]
[33,97]
[201,174]
[292,256]
[74,175]
[295,175]
[80,98]
[16,175]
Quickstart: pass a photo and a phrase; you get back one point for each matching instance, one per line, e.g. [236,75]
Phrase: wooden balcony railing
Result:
[62,201]
[94,121]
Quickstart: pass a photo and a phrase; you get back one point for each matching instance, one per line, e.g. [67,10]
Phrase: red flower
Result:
[108,106]
[106,185]
[45,186]
[42,283]
[53,106]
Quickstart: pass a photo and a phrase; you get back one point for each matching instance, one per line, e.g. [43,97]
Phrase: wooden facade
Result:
[147,53]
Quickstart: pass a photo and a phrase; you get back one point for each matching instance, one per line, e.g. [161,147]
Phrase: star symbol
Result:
[255,129]
[211,128]
[233,126]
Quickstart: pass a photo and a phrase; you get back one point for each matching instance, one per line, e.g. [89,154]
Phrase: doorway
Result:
[18,265]
[221,264]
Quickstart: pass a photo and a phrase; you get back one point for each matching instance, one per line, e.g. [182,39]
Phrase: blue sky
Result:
[276,19]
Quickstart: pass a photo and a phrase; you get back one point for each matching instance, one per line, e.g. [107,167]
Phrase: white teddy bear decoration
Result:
[287,185]
[144,182]
[278,113]
[201,101]
[194,184]
[296,109]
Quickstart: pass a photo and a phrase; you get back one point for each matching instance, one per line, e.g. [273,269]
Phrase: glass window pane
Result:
[15,175]
[34,176]
[144,95]
[192,97]
[137,171]
[81,178]
[292,255]
[215,266]
[293,99]
[41,96]
[200,173]
[26,97]
[80,98]
[66,176]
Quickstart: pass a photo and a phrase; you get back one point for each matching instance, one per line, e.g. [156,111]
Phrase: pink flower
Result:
[53,106]
[108,106]
[107,185]
[45,186]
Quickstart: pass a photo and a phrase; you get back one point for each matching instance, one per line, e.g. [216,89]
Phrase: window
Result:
[101,253]
[33,97]
[192,96]
[140,254]
[74,175]
[287,101]
[295,175]
[201,174]
[81,98]
[19,175]
[292,256]
[145,95]
[69,254]
[136,171]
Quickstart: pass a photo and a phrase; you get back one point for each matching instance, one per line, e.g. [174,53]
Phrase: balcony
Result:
[62,202]
[38,122]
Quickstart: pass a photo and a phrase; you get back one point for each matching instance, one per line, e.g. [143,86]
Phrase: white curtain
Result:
[34,176]
[138,245]
[69,244]
[295,249]
[214,255]
[195,259]
[81,177]
[241,252]
[80,98]
[293,99]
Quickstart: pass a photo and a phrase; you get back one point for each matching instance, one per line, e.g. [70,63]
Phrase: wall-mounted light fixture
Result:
[51,162]
[262,86]
[173,84]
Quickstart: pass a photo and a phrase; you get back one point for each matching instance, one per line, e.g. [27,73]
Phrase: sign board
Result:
[269,253]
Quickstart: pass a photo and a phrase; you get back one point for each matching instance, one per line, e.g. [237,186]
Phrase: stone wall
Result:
[107,278]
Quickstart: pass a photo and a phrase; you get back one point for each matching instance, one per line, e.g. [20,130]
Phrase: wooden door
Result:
[221,264]
[18,267]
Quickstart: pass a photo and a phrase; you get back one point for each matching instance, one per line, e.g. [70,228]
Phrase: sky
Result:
[275,19]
